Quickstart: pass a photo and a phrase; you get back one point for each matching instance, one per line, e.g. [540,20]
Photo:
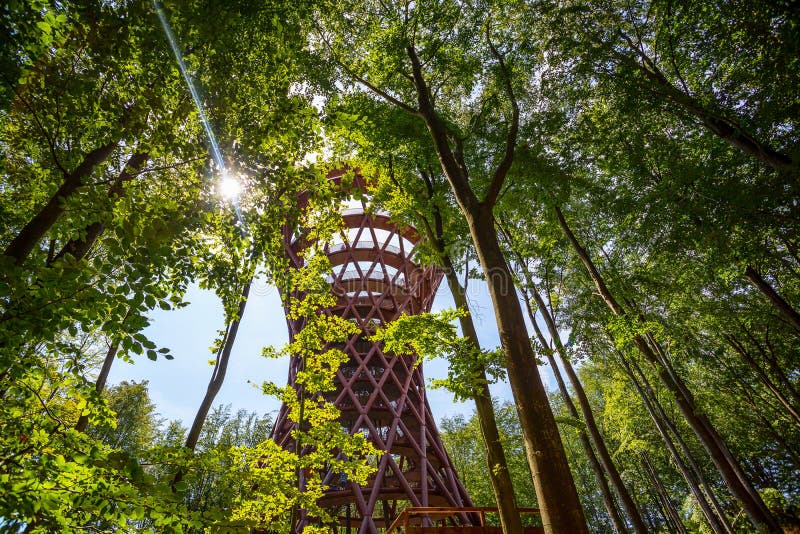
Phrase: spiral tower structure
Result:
[379,394]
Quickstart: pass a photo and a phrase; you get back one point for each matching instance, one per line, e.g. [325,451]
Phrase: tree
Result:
[108,197]
[461,78]
[136,419]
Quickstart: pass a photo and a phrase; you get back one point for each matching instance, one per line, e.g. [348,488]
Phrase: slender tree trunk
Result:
[495,456]
[719,518]
[27,238]
[217,377]
[727,465]
[100,383]
[555,489]
[586,414]
[220,369]
[672,514]
[80,246]
[596,518]
[588,417]
[785,309]
[597,468]
[689,470]
[771,386]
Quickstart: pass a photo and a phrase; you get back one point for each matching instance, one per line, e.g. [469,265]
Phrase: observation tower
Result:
[379,394]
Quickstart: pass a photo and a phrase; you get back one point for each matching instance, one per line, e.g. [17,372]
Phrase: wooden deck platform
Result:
[447,520]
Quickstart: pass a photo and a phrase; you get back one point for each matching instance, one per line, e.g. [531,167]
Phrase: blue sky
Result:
[177,386]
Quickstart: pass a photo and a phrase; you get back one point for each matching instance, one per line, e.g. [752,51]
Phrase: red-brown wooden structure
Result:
[379,394]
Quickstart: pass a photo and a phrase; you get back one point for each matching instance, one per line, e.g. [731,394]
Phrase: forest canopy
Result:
[623,176]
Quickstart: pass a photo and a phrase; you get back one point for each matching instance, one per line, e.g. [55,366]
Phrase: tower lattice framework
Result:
[379,394]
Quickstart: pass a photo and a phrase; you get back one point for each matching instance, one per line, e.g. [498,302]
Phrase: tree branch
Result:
[724,127]
[511,139]
[369,85]
[450,165]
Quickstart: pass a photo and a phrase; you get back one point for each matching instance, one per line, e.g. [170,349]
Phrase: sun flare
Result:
[229,187]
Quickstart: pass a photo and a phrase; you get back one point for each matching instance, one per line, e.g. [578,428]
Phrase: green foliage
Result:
[667,132]
[57,478]
[462,438]
[431,335]
[87,87]
[282,481]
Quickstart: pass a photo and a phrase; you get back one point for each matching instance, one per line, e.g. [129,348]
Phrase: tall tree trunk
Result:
[691,473]
[586,414]
[495,455]
[729,468]
[588,417]
[672,514]
[499,474]
[719,517]
[555,490]
[217,377]
[597,468]
[27,238]
[220,368]
[793,412]
[785,309]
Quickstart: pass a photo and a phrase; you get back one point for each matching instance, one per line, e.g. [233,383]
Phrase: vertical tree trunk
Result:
[555,489]
[27,238]
[729,468]
[499,474]
[672,514]
[600,475]
[217,377]
[495,455]
[585,408]
[100,383]
[588,418]
[220,368]
[689,470]
[719,518]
